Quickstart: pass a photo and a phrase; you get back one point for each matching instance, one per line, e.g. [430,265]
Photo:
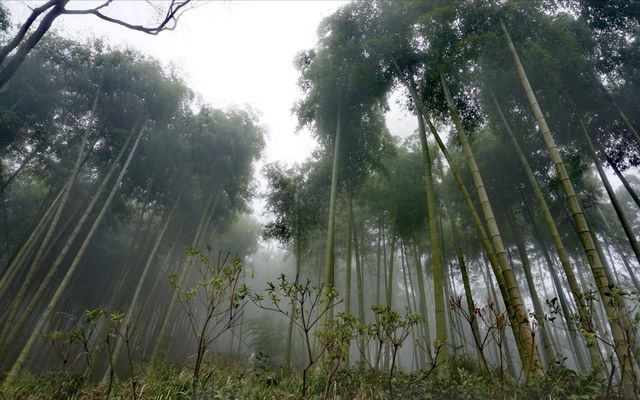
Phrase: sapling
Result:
[62,343]
[496,324]
[214,304]
[336,339]
[308,309]
[84,335]
[391,328]
[471,316]
[123,331]
[70,345]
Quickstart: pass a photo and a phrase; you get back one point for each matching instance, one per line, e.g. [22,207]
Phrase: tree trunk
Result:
[518,314]
[5,183]
[44,245]
[475,217]
[613,313]
[287,361]
[548,348]
[348,258]
[411,301]
[27,247]
[582,364]
[53,269]
[623,116]
[422,298]
[626,226]
[563,255]
[44,318]
[390,282]
[390,285]
[329,270]
[434,239]
[506,354]
[378,263]
[624,181]
[471,306]
[360,289]
[133,305]
[169,321]
[29,227]
[418,331]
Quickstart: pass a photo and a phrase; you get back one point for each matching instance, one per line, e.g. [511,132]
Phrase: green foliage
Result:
[214,304]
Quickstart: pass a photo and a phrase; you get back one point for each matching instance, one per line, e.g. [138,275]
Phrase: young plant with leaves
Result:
[214,305]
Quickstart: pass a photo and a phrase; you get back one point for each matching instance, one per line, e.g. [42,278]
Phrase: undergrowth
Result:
[223,379]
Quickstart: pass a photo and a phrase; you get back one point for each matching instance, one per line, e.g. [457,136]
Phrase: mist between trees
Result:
[493,251]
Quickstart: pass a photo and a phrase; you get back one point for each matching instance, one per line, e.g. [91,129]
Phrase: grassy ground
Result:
[226,380]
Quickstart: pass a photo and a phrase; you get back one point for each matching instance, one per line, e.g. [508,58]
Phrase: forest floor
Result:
[227,380]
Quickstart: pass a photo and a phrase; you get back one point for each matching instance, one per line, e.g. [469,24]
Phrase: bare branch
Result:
[168,23]
[35,13]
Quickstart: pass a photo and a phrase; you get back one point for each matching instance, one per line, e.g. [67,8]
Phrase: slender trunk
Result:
[563,255]
[434,238]
[613,313]
[164,267]
[623,116]
[410,306]
[118,299]
[5,184]
[378,263]
[624,181]
[518,314]
[169,321]
[348,258]
[329,270]
[390,282]
[298,245]
[408,289]
[360,289]
[55,266]
[53,302]
[133,306]
[564,304]
[29,227]
[3,199]
[44,245]
[548,348]
[626,226]
[475,217]
[27,247]
[627,266]
[422,297]
[493,297]
[390,285]
[418,331]
[471,306]
[385,272]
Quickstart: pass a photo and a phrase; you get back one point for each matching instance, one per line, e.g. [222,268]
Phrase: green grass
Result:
[223,379]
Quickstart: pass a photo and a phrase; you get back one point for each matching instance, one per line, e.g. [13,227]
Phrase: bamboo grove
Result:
[118,169]
[516,103]
[500,227]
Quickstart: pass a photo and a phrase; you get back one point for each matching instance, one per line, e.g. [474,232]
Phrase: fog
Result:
[324,199]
